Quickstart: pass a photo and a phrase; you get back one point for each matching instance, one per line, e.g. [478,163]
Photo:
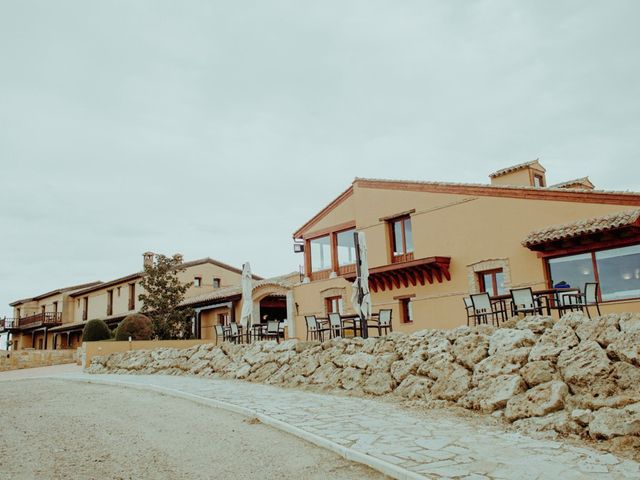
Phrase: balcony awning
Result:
[404,274]
[585,233]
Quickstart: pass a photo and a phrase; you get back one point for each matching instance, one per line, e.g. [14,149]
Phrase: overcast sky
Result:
[218,128]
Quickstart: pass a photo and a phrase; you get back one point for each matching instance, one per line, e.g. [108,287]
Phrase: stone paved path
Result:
[390,439]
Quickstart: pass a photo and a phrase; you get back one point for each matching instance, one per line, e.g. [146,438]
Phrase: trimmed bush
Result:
[136,326]
[95,330]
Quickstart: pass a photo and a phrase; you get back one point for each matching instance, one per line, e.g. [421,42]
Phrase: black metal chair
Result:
[382,323]
[235,333]
[589,297]
[315,329]
[220,332]
[272,331]
[468,306]
[483,308]
[337,326]
[523,301]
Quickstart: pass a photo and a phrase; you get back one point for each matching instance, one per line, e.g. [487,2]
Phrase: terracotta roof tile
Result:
[55,292]
[284,281]
[577,181]
[582,227]
[514,168]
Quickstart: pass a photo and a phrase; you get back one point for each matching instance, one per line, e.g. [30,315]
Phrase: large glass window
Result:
[346,248]
[321,253]
[576,270]
[402,236]
[619,272]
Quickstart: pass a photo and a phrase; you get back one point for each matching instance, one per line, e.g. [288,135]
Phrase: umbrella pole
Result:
[364,331]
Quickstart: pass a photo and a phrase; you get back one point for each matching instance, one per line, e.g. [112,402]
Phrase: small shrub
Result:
[136,326]
[95,330]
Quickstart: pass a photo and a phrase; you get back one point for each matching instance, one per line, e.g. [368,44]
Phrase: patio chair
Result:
[221,333]
[315,330]
[566,302]
[337,326]
[523,301]
[382,323]
[234,333]
[272,331]
[589,297]
[483,308]
[468,306]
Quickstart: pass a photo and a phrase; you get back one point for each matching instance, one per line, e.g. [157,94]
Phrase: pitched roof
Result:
[55,292]
[576,181]
[608,197]
[220,294]
[136,275]
[583,227]
[517,167]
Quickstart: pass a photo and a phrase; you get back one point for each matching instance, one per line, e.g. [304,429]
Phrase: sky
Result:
[217,128]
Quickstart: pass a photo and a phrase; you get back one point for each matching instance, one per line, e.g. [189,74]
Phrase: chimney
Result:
[148,258]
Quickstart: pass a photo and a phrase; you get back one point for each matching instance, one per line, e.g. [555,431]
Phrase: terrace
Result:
[46,319]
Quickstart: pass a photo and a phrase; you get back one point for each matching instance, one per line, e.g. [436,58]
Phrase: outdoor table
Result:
[357,324]
[536,294]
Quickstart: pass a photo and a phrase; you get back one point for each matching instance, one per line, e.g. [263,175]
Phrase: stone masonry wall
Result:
[573,375]
[16,359]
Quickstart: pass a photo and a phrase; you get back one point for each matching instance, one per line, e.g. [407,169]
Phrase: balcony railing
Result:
[48,319]
[7,324]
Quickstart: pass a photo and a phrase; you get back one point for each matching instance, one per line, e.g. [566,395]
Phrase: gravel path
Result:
[56,429]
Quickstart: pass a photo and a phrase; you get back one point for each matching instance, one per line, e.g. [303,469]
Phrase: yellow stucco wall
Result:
[467,228]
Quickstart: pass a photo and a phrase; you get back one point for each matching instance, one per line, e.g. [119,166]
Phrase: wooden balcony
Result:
[7,324]
[48,319]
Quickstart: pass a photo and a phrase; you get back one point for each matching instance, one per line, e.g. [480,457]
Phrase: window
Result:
[576,270]
[223,319]
[118,291]
[617,270]
[132,296]
[538,180]
[406,310]
[401,239]
[334,304]
[197,282]
[109,302]
[216,283]
[55,307]
[492,282]
[17,313]
[321,253]
[346,247]
[43,309]
[85,308]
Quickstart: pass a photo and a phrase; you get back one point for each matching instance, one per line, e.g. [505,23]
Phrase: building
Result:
[430,244]
[56,319]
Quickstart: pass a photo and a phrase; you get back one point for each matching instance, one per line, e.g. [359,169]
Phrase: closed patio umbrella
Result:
[246,312]
[361,297]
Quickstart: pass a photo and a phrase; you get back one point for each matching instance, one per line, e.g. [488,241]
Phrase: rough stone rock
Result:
[553,342]
[629,322]
[609,422]
[360,360]
[264,372]
[438,343]
[435,366]
[306,365]
[539,401]
[582,416]
[327,375]
[560,421]
[535,323]
[351,378]
[470,349]
[401,368]
[279,376]
[493,394]
[506,339]
[452,384]
[602,330]
[585,367]
[626,348]
[595,401]
[379,383]
[504,363]
[242,371]
[626,377]
[382,362]
[535,373]
[414,387]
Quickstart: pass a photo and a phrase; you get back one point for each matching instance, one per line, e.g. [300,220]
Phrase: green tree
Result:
[163,294]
